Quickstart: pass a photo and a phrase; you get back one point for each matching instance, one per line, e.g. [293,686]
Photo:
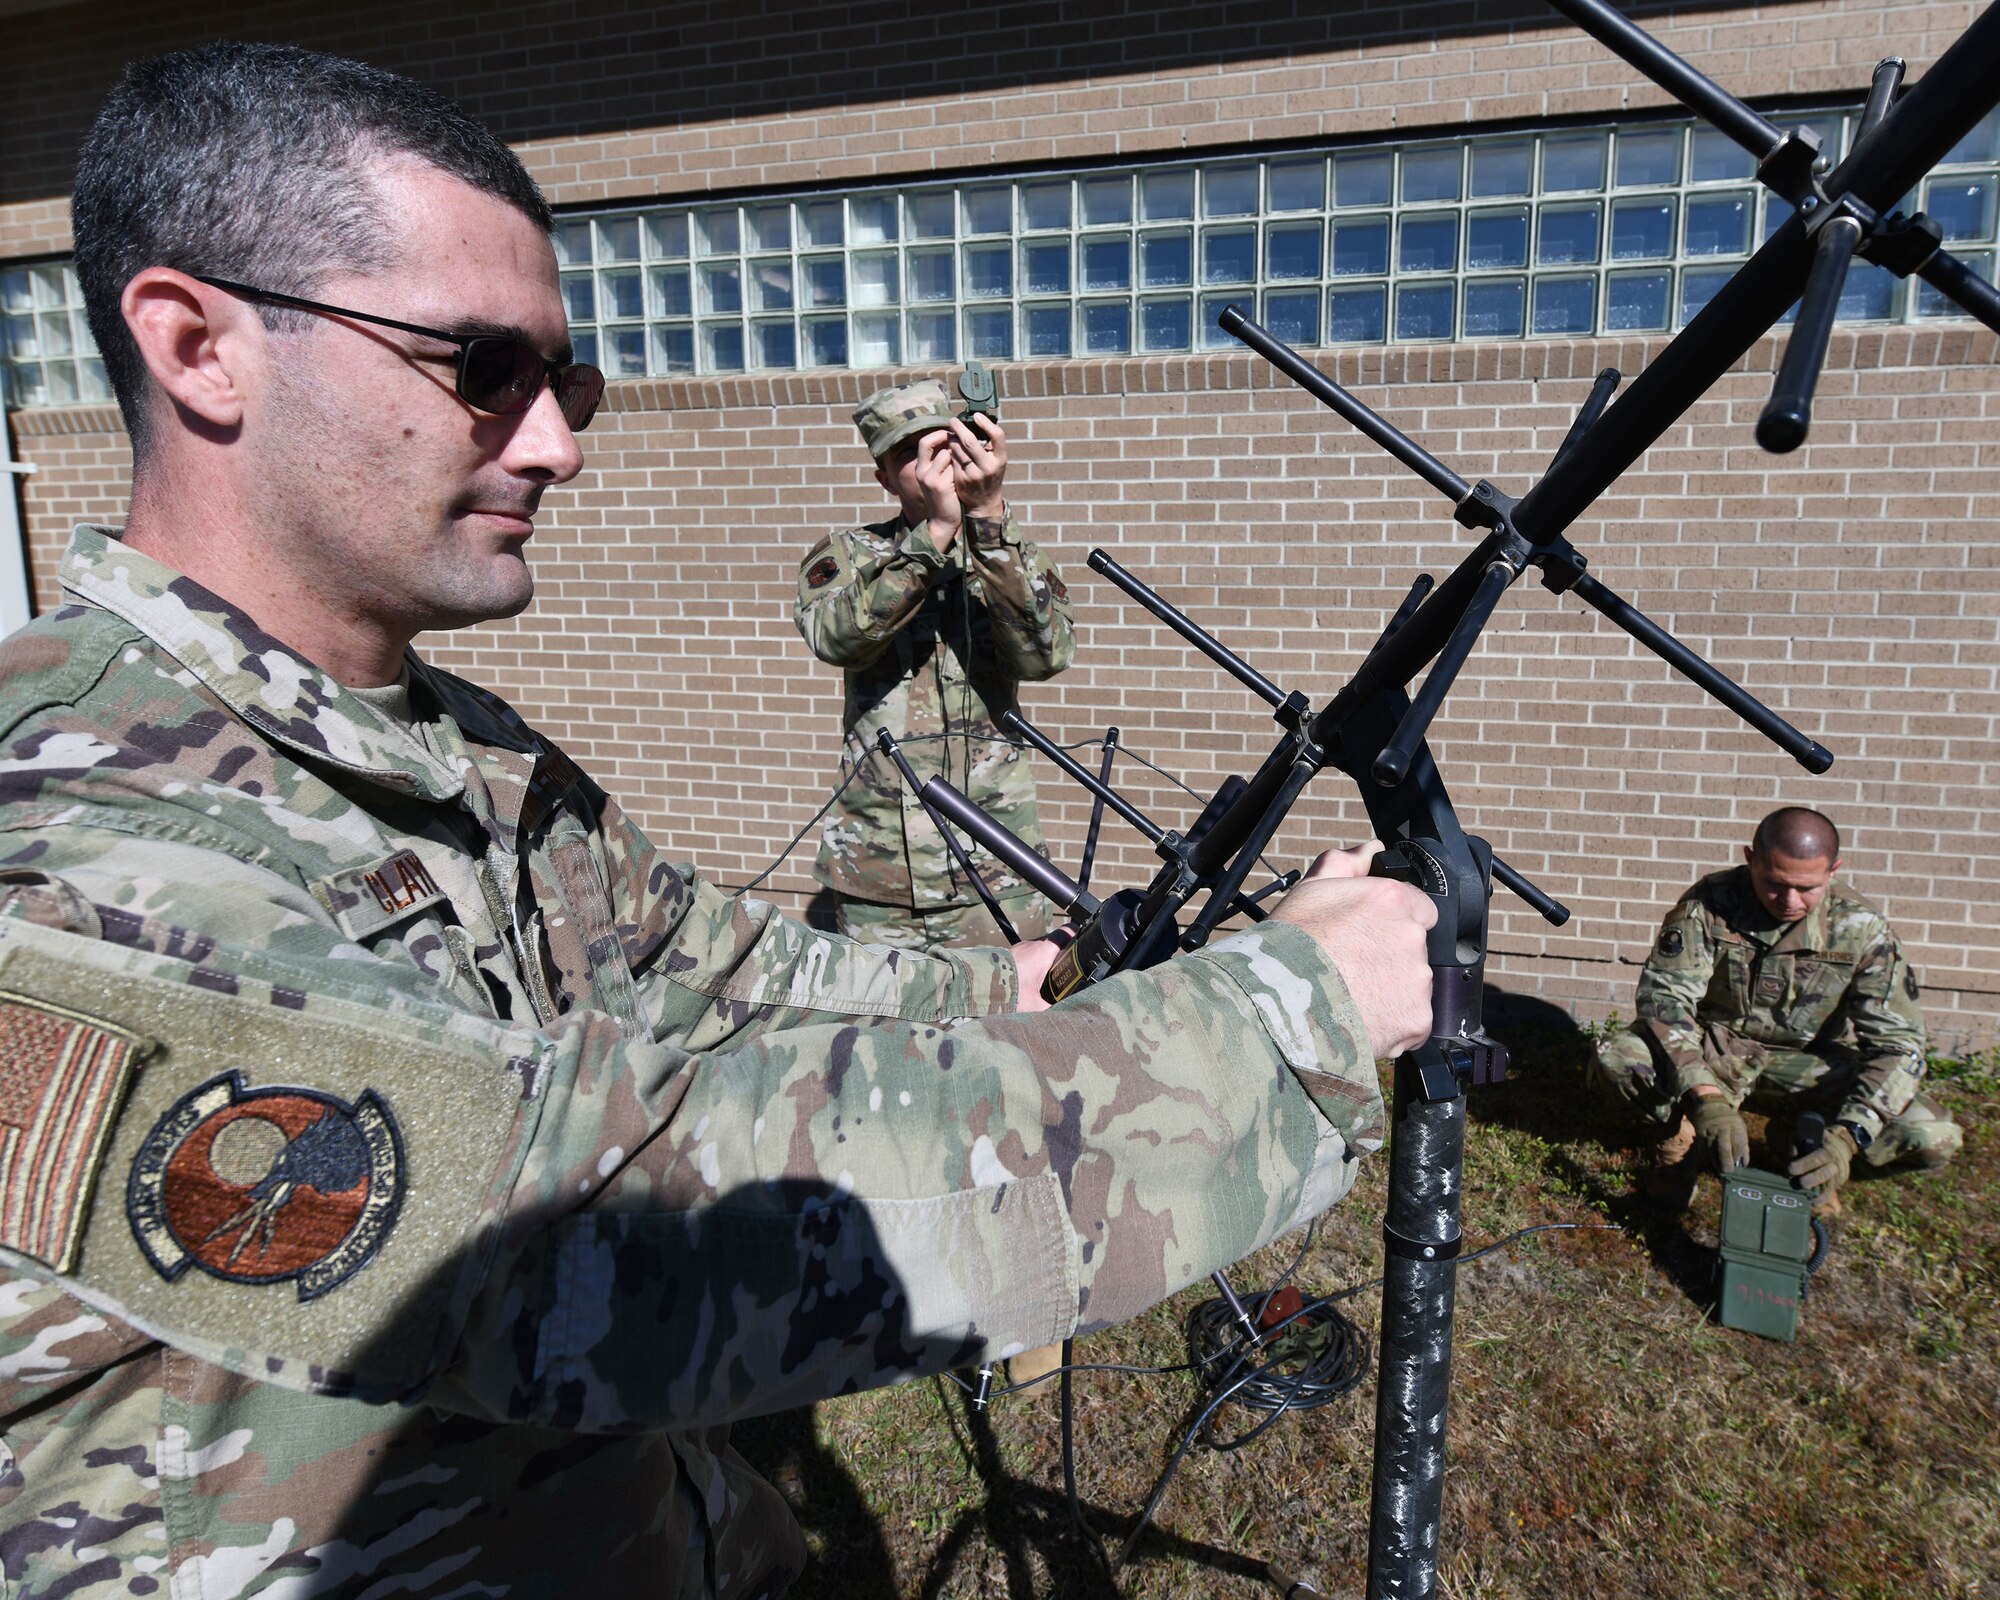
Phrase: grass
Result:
[1607,1437]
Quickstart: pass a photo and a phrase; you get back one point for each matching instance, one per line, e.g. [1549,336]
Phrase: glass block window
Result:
[1577,232]
[48,358]
[1567,234]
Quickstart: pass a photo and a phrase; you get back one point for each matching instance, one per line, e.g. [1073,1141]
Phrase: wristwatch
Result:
[1861,1136]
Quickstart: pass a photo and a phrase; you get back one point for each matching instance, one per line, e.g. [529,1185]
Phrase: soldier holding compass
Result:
[936,617]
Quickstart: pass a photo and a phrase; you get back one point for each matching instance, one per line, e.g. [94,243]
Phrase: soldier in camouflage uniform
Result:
[936,616]
[406,1173]
[1772,982]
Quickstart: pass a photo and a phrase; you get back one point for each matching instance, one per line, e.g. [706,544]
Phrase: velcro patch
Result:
[62,1077]
[311,1216]
[1671,942]
[1910,982]
[822,572]
[365,900]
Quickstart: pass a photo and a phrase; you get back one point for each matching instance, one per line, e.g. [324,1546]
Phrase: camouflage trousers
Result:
[1634,1065]
[952,927]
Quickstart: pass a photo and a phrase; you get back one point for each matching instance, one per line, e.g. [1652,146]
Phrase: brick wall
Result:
[1855,586]
[622,99]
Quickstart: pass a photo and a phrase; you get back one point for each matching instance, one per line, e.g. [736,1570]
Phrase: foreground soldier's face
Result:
[1789,886]
[391,496]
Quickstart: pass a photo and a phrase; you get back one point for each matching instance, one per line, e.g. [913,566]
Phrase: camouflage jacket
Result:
[1722,958]
[356,1239]
[934,645]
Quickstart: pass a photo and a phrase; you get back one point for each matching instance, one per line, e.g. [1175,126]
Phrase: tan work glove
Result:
[1718,1126]
[1826,1169]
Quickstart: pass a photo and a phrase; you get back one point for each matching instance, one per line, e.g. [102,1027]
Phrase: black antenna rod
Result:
[1097,808]
[1202,640]
[886,743]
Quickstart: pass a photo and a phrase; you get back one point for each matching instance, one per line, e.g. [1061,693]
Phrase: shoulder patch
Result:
[267,1185]
[1057,587]
[1910,982]
[822,572]
[1671,943]
[62,1077]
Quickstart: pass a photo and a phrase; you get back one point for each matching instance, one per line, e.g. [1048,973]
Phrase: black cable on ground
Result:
[1334,1362]
[1077,1519]
[1315,1355]
[1822,1244]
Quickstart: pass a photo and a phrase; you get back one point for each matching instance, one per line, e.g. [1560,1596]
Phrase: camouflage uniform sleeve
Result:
[758,969]
[582,1231]
[1671,987]
[1027,601]
[715,968]
[854,599]
[1888,1024]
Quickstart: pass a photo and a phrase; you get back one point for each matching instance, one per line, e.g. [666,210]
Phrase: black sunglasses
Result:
[496,373]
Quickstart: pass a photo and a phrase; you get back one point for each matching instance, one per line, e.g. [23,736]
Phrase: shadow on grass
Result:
[1550,1093]
[850,1555]
[1028,1526]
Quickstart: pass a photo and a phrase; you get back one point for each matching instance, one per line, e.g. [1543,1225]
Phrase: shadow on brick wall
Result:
[550,69]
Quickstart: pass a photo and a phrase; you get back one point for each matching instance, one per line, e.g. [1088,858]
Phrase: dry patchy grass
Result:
[1608,1438]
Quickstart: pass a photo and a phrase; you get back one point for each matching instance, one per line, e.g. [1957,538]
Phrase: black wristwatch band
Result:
[1861,1136]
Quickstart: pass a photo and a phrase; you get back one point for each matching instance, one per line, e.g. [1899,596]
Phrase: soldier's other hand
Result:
[1373,930]
[1825,1169]
[1721,1131]
[937,478]
[1032,960]
[979,459]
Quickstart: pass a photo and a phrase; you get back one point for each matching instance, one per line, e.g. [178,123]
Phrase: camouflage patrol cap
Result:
[889,416]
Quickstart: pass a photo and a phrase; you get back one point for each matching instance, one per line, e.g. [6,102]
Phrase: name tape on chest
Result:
[365,900]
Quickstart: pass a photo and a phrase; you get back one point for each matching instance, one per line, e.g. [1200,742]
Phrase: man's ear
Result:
[888,483]
[194,340]
[1750,855]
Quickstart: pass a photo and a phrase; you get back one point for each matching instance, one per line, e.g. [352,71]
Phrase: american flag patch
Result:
[62,1077]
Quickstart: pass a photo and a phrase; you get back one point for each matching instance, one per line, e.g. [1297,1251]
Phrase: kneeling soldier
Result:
[1771,981]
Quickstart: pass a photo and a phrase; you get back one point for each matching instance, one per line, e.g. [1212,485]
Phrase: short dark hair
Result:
[1799,832]
[245,161]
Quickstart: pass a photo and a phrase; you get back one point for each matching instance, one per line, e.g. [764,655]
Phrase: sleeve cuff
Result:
[1692,1075]
[1866,1118]
[1303,1003]
[991,533]
[986,982]
[921,549]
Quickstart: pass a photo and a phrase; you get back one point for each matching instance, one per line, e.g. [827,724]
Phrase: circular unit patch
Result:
[267,1185]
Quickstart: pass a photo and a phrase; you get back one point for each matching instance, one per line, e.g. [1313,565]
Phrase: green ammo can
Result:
[1767,1241]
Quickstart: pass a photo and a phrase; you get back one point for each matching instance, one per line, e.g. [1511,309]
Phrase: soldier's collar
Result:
[1752,921]
[1809,932]
[269,686]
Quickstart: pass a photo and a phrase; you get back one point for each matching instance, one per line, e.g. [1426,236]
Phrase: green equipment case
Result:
[1767,1240]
